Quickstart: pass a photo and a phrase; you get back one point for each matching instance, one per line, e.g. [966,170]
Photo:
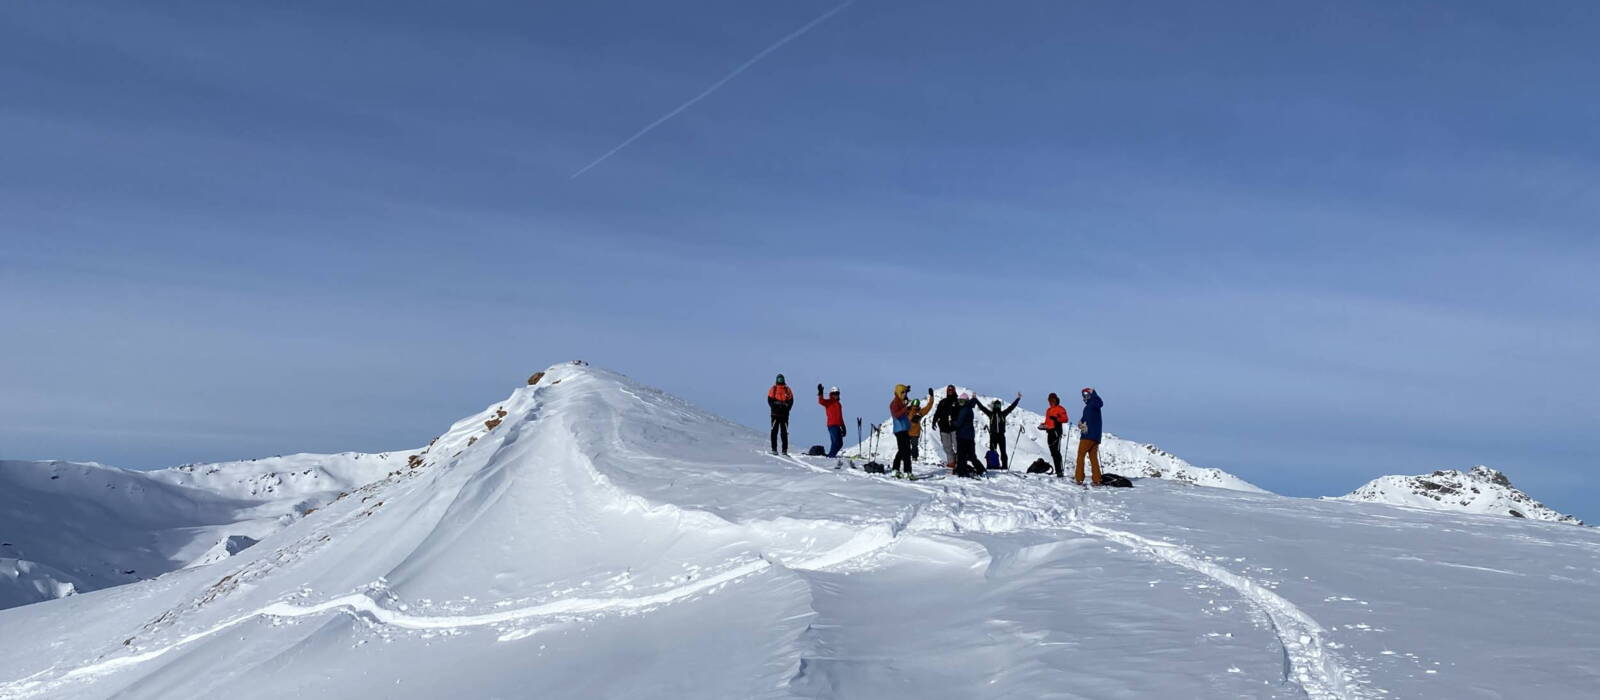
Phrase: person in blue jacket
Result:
[1089,434]
[967,437]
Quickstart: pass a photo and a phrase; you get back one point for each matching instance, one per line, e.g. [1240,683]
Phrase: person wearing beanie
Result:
[1089,434]
[900,413]
[835,413]
[779,400]
[997,427]
[1055,422]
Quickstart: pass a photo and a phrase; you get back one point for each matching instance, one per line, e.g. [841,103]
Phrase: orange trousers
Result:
[1092,449]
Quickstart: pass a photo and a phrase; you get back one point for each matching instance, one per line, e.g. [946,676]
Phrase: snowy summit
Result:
[1478,490]
[590,536]
[1027,443]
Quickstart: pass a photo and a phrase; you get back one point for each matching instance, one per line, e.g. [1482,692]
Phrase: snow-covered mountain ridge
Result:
[73,527]
[590,536]
[1478,490]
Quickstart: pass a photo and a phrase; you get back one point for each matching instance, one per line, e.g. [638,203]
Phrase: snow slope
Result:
[1117,455]
[593,537]
[1478,490]
[69,527]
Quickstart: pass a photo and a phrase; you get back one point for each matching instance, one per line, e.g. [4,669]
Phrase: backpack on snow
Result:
[992,459]
[816,451]
[1040,466]
[1115,480]
[873,468]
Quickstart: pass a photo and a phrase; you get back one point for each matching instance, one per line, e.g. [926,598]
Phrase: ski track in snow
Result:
[1307,662]
[363,606]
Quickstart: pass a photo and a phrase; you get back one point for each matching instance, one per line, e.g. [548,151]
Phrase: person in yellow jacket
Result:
[918,410]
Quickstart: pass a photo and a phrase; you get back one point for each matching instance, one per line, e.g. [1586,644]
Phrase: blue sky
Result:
[1310,243]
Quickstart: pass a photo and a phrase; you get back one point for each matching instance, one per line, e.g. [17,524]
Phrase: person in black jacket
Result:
[779,400]
[997,427]
[967,463]
[944,418]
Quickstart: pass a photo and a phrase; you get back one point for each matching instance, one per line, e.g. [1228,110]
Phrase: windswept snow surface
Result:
[1026,443]
[592,537]
[1478,490]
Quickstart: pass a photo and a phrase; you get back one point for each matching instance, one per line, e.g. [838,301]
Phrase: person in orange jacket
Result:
[835,413]
[779,400]
[1055,422]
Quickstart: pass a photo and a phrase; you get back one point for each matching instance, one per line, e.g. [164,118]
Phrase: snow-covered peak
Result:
[588,518]
[1477,490]
[1027,443]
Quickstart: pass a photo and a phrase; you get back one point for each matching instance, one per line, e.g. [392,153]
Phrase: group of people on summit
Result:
[953,417]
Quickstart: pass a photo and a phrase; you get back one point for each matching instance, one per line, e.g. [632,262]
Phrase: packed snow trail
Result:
[1308,663]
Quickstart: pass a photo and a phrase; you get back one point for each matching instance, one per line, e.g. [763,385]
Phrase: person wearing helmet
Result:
[997,427]
[967,463]
[1055,422]
[835,413]
[779,400]
[944,418]
[918,410]
[1089,434]
[900,412]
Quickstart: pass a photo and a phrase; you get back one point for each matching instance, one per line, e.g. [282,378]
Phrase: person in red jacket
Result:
[835,419]
[779,400]
[1055,422]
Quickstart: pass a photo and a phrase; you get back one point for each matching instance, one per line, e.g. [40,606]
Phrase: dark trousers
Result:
[780,426]
[997,442]
[916,440]
[903,451]
[835,439]
[1054,438]
[967,463]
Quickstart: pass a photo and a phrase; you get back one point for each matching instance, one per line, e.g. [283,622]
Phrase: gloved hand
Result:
[819,390]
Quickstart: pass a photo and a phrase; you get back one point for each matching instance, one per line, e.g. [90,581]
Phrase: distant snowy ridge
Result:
[74,527]
[1478,490]
[1117,455]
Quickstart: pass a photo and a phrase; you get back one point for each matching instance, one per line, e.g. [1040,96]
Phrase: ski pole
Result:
[859,436]
[1013,456]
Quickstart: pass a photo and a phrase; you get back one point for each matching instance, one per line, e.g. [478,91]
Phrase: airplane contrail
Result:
[796,34]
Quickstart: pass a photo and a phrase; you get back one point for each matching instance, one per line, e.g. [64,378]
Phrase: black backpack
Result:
[872,468]
[1040,466]
[1115,480]
[816,451]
